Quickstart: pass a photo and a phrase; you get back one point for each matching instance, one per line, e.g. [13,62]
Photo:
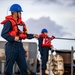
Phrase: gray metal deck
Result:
[19,74]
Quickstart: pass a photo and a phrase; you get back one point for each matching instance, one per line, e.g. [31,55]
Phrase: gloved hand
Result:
[16,38]
[36,36]
[53,36]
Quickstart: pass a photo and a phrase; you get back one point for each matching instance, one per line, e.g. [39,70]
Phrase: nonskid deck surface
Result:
[19,74]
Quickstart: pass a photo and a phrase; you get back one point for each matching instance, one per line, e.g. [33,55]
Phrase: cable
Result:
[65,38]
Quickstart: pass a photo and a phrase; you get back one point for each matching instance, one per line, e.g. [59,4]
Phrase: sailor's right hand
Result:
[16,38]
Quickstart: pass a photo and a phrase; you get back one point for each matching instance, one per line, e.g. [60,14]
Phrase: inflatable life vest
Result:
[15,31]
[46,40]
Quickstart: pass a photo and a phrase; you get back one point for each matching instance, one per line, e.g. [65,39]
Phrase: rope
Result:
[65,38]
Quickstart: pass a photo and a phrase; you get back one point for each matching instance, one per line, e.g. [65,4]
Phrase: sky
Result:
[57,16]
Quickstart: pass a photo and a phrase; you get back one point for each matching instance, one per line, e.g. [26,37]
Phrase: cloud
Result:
[73,3]
[47,1]
[36,25]
[61,2]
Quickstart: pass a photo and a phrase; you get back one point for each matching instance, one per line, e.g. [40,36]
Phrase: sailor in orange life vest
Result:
[14,30]
[44,47]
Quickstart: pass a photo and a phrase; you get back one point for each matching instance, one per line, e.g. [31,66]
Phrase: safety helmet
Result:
[15,7]
[44,30]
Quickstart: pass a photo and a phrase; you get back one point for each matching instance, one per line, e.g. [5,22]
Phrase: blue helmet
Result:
[15,7]
[44,30]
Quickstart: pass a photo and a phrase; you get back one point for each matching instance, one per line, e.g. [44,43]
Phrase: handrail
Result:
[64,38]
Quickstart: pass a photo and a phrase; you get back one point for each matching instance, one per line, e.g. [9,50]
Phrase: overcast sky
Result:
[58,16]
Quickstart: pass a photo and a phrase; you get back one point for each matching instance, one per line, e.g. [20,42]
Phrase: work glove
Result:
[53,36]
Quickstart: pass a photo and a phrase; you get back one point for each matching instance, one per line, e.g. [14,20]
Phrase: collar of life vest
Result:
[10,17]
[43,35]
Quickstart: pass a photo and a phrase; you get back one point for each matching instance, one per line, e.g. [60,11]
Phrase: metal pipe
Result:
[65,38]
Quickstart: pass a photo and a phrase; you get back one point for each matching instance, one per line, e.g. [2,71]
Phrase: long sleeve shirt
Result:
[8,27]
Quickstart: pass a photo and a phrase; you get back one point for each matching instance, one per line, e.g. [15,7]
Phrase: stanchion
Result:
[72,60]
[2,67]
[40,67]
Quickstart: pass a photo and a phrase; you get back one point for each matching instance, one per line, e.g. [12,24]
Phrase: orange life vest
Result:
[46,40]
[15,31]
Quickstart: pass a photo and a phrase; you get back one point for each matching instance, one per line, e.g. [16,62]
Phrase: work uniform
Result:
[44,47]
[14,50]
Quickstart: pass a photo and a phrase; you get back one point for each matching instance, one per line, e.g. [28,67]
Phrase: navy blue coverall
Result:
[14,51]
[44,53]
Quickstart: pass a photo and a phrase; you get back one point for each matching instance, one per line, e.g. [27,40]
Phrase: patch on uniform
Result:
[20,27]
